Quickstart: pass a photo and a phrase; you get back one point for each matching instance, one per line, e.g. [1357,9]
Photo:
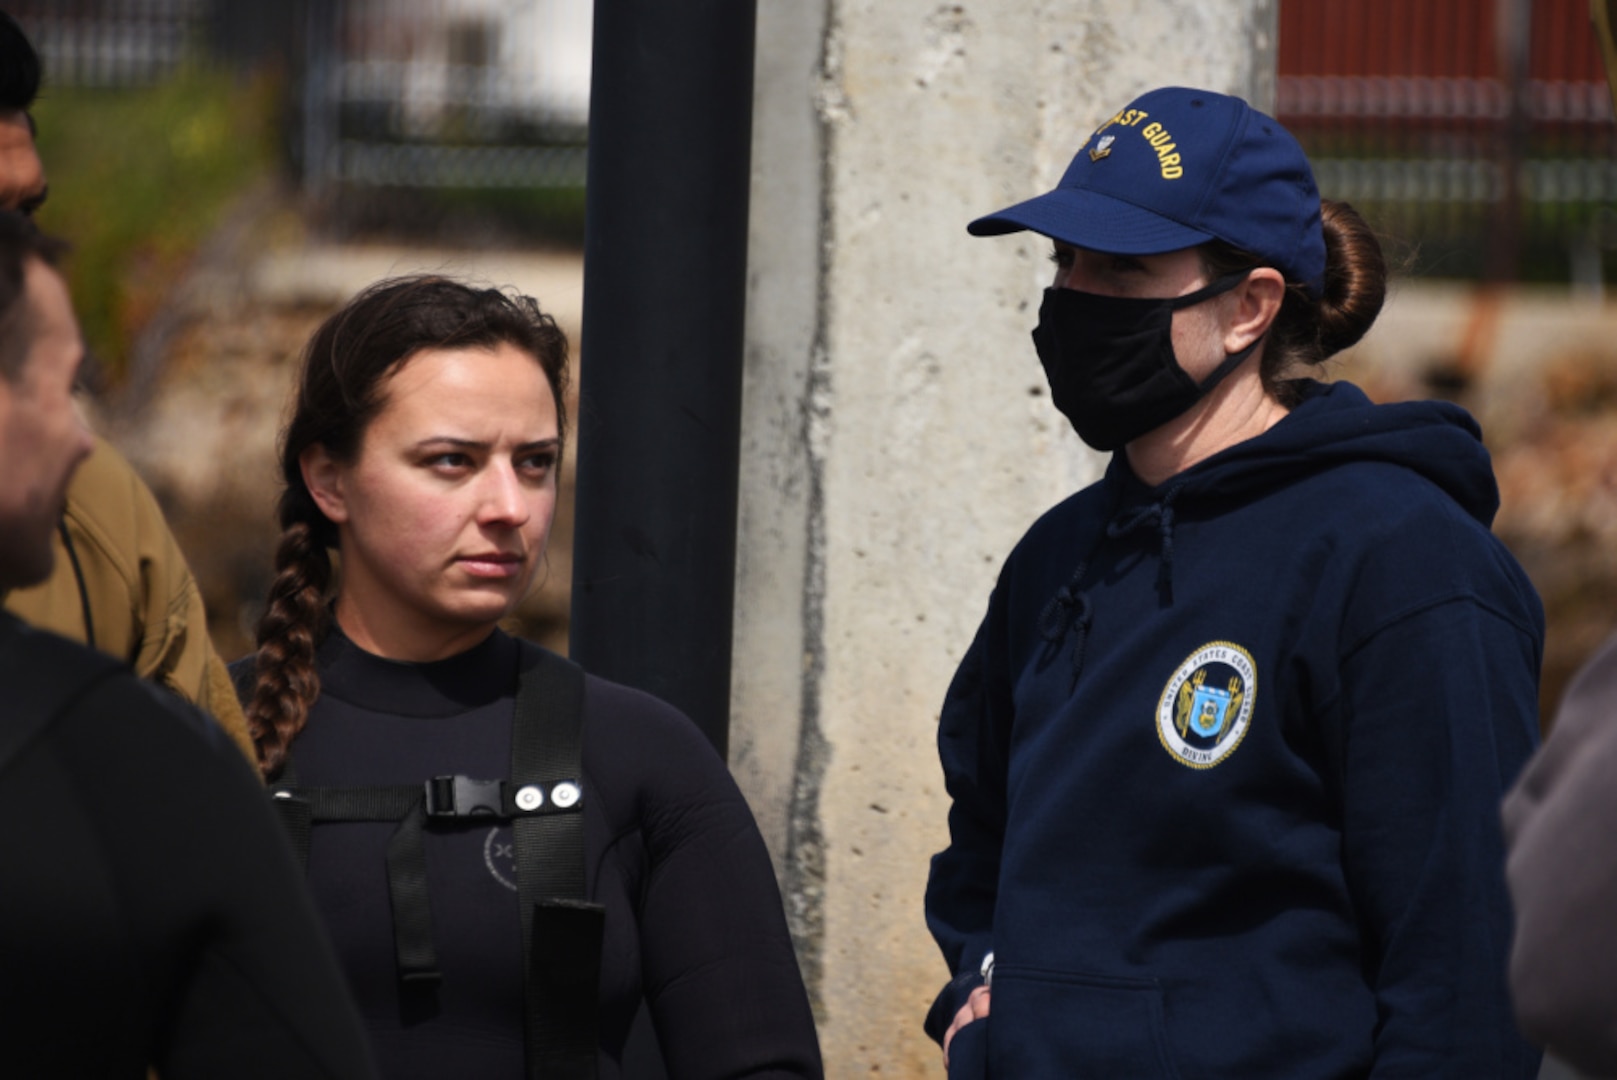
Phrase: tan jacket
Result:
[144,603]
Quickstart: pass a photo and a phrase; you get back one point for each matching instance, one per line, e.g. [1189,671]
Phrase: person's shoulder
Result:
[1406,544]
[1086,509]
[605,701]
[1383,510]
[634,734]
[638,742]
[643,730]
[107,496]
[1587,716]
[127,695]
[98,691]
[39,655]
[654,769]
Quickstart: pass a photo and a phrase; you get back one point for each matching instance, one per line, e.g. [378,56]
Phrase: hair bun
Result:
[1355,278]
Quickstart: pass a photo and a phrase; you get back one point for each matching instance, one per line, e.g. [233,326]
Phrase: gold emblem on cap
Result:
[1102,148]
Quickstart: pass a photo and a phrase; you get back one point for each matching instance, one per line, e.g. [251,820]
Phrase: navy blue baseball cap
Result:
[1177,168]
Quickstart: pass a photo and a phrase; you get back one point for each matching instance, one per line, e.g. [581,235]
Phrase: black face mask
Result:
[1111,364]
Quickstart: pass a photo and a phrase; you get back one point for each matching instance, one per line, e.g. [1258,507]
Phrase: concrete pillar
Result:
[897,435]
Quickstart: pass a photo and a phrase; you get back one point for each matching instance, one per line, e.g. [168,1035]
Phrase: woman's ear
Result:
[1257,302]
[323,476]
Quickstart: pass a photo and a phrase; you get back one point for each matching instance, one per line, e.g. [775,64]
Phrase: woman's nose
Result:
[504,499]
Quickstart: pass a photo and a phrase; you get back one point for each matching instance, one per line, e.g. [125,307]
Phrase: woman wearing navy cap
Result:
[1227,752]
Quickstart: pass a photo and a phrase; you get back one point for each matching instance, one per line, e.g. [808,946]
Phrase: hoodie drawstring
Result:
[1161,513]
[1070,608]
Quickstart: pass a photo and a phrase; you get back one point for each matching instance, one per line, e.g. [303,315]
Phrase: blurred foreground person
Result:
[509,853]
[1226,754]
[1559,822]
[119,583]
[151,913]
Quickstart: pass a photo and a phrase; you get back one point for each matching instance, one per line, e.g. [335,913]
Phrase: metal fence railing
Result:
[1478,133]
[112,43]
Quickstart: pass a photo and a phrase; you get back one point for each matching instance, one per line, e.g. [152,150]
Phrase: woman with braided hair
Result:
[423,450]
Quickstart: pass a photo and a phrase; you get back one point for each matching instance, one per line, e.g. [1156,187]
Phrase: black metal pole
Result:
[665,248]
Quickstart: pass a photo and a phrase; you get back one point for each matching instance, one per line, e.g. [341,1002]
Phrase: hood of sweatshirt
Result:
[1334,424]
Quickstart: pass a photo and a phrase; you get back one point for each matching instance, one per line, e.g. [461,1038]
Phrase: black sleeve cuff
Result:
[949,1002]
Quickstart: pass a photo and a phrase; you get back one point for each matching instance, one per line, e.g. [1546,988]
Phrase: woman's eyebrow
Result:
[452,440]
[480,444]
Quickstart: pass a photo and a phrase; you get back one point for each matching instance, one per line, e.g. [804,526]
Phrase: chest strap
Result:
[562,929]
[544,801]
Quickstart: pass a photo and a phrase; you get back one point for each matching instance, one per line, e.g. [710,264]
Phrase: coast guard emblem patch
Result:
[1207,704]
[1102,148]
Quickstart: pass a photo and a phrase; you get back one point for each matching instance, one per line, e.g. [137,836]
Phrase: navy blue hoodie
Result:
[1226,759]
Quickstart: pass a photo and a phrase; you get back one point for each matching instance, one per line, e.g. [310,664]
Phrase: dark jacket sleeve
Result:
[963,887]
[719,971]
[1438,713]
[1562,870]
[238,966]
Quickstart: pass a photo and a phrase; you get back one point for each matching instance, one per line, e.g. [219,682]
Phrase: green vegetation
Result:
[138,179]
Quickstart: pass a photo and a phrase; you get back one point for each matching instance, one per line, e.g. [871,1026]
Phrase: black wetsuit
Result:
[151,911]
[693,915]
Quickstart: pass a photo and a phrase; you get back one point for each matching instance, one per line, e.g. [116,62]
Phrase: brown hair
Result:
[340,391]
[1308,330]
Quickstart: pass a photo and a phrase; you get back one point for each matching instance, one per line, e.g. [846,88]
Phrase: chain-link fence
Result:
[471,94]
[112,43]
[445,93]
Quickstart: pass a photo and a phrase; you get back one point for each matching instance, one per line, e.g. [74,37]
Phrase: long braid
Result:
[292,626]
[290,630]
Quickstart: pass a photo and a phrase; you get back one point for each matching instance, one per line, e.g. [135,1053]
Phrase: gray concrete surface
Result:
[898,437]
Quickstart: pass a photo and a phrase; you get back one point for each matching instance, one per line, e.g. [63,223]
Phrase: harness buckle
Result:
[461,796]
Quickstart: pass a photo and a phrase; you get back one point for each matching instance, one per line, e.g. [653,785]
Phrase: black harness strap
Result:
[412,905]
[561,929]
[544,799]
